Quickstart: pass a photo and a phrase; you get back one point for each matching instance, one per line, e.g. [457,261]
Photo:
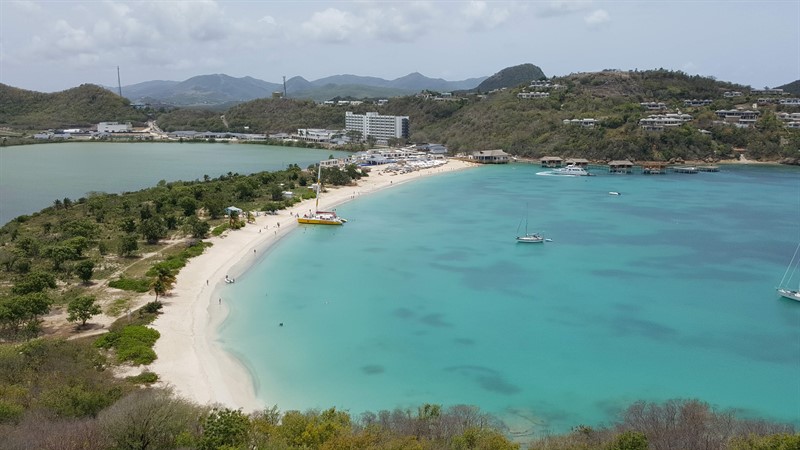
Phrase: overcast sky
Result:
[55,45]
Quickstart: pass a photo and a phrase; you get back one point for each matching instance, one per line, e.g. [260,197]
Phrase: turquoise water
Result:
[32,176]
[666,291]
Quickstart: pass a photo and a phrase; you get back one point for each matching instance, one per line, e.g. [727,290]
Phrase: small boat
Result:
[529,238]
[787,289]
[613,193]
[321,217]
[571,170]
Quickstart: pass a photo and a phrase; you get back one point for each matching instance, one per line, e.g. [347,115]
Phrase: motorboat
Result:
[571,170]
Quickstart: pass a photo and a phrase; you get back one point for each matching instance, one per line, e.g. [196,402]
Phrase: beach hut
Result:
[580,162]
[230,210]
[551,161]
[621,166]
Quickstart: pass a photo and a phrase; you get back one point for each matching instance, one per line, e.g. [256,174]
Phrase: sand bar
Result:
[190,359]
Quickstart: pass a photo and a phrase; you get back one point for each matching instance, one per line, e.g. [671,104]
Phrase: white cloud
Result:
[479,16]
[597,18]
[332,25]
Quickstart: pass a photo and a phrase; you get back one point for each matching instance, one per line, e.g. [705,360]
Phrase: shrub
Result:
[152,307]
[134,343]
[143,378]
[140,285]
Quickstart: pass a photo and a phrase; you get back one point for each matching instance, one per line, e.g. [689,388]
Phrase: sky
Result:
[51,46]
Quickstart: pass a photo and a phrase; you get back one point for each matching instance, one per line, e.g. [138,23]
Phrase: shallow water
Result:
[665,291]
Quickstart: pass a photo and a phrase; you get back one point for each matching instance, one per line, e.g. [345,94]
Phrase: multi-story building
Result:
[382,128]
[790,101]
[697,102]
[585,123]
[653,106]
[661,121]
[529,95]
[737,117]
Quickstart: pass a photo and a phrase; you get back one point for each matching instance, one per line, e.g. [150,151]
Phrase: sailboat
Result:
[529,238]
[793,270]
[321,217]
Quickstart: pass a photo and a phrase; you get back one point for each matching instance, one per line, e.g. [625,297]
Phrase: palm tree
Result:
[163,282]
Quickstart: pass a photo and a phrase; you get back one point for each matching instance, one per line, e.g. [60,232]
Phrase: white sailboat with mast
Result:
[320,217]
[528,238]
[785,288]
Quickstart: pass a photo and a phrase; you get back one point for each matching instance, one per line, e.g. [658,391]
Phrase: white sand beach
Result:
[190,360]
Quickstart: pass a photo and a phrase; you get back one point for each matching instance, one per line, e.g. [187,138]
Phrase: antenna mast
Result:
[119,83]
[284,86]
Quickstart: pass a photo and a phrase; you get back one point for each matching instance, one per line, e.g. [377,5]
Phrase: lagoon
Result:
[666,291]
[33,176]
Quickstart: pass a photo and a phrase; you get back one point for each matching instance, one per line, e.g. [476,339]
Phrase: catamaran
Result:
[785,289]
[321,217]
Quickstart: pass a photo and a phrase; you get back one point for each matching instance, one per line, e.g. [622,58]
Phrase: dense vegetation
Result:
[511,77]
[79,107]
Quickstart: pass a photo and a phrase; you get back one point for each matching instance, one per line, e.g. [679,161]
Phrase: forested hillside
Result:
[78,107]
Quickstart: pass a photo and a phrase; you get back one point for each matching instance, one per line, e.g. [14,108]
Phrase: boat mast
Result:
[319,186]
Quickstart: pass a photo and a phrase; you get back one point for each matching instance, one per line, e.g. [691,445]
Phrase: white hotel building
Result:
[382,128]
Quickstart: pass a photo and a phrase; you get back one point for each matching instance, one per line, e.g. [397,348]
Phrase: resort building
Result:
[731,94]
[790,101]
[114,127]
[316,134]
[792,120]
[490,157]
[382,128]
[620,166]
[739,118]
[767,91]
[697,103]
[530,95]
[580,162]
[585,123]
[653,106]
[551,161]
[661,121]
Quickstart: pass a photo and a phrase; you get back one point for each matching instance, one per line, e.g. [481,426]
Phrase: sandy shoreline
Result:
[190,359]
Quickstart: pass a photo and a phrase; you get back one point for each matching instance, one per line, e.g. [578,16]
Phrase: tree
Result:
[59,254]
[85,269]
[34,282]
[198,228]
[163,281]
[188,205]
[153,229]
[127,245]
[82,308]
[224,428]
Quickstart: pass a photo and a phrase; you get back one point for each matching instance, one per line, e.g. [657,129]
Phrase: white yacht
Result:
[571,170]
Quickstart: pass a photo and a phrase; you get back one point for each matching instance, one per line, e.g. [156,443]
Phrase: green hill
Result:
[78,107]
[511,77]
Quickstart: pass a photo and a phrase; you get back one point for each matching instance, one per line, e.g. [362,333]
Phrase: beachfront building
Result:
[490,157]
[114,127]
[316,135]
[551,161]
[382,128]
[620,166]
[660,121]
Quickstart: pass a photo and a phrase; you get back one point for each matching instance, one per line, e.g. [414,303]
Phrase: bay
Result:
[33,176]
[665,291]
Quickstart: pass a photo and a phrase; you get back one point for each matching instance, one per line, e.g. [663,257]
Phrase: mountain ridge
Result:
[221,88]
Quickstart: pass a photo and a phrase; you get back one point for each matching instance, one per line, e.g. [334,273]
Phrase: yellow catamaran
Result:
[321,217]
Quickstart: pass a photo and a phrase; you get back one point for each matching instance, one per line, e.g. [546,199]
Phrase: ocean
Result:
[665,291]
